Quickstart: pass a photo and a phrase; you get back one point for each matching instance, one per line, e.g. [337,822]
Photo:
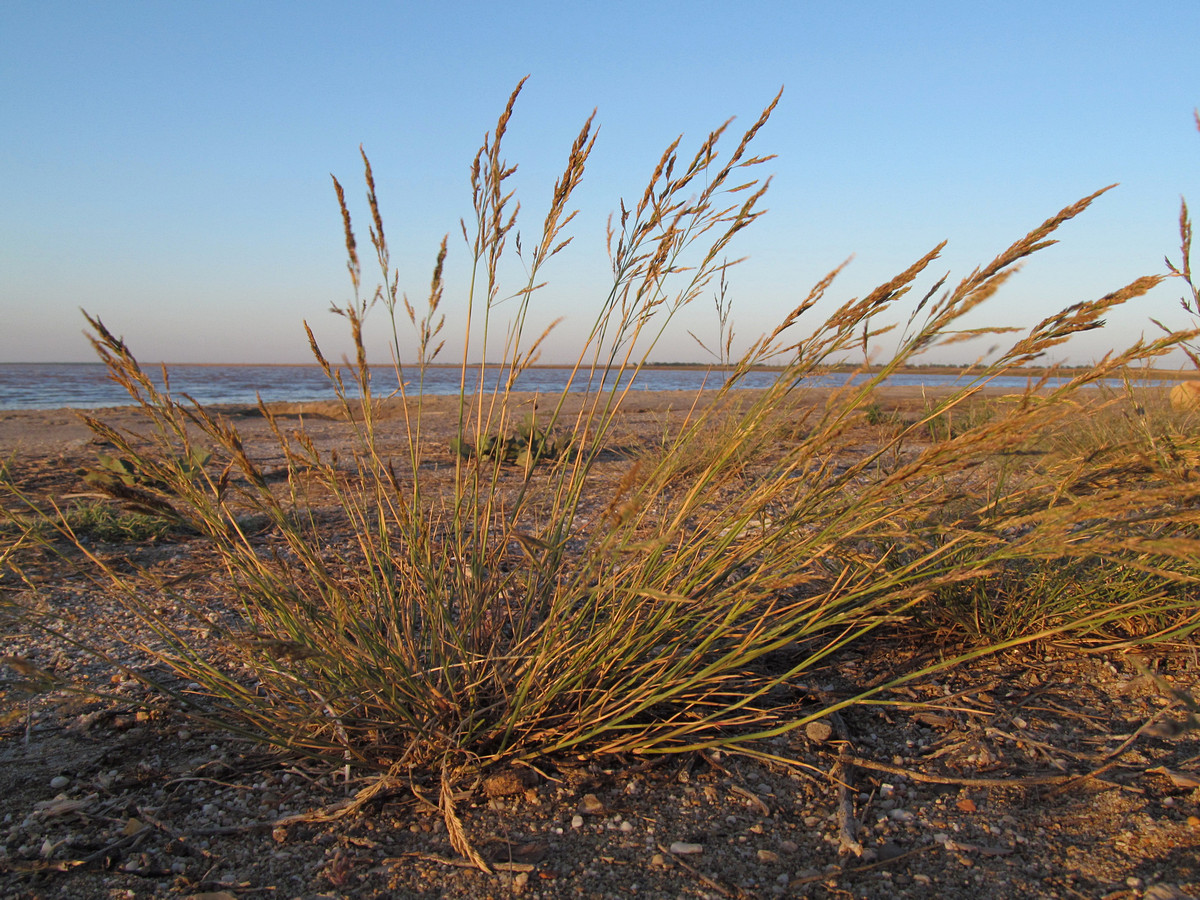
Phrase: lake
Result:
[87,385]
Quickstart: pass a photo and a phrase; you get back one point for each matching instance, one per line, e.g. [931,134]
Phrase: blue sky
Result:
[166,165]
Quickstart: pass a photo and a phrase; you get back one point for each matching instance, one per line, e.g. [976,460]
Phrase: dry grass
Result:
[493,621]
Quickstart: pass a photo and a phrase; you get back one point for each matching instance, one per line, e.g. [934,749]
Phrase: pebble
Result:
[591,804]
[577,821]
[683,848]
[768,856]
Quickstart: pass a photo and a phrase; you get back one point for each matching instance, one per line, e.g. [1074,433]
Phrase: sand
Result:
[1046,771]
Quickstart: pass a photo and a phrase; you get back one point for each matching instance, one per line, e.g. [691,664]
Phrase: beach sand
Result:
[1044,771]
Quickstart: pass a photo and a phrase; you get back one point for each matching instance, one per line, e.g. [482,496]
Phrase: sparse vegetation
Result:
[99,521]
[529,446]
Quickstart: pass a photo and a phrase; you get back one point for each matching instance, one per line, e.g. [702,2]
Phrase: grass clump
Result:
[502,618]
[530,445]
[107,523]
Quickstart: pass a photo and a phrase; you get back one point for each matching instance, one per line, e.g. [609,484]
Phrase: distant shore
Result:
[1182,372]
[49,432]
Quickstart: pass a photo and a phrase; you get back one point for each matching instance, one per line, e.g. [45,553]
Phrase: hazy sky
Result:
[166,165]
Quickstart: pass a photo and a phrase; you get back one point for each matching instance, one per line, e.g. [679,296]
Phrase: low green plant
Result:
[107,523]
[877,415]
[139,483]
[530,445]
[495,619]
[1101,602]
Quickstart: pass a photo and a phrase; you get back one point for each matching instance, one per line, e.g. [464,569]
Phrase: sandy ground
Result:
[1049,771]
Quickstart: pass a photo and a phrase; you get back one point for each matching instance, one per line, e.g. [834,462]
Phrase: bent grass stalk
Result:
[505,619]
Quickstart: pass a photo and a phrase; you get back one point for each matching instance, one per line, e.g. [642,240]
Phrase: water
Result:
[87,386]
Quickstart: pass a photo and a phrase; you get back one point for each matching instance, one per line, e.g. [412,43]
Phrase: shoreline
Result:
[60,430]
[1183,371]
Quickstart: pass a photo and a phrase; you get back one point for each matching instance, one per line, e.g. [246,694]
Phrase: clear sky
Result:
[166,165]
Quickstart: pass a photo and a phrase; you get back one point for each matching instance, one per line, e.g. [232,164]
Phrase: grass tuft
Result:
[502,618]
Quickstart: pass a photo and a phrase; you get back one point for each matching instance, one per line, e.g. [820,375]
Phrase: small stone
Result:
[889,851]
[626,827]
[58,782]
[591,805]
[520,880]
[1194,821]
[901,815]
[789,846]
[576,821]
[769,857]
[133,826]
[683,848]
[658,860]
[503,784]
[818,731]
[812,821]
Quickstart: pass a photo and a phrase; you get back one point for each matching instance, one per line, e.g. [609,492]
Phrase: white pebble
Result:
[58,782]
[683,848]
